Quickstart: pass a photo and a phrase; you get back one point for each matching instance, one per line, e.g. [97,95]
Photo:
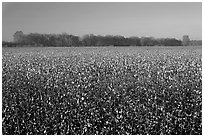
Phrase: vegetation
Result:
[106,90]
[65,40]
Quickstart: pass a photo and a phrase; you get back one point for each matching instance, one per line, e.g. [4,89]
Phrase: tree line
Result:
[66,40]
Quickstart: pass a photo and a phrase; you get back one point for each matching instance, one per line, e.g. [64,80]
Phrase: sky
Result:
[159,20]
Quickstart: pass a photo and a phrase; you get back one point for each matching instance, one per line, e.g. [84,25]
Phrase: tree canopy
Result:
[66,40]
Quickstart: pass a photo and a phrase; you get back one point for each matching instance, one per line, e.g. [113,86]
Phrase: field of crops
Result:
[102,90]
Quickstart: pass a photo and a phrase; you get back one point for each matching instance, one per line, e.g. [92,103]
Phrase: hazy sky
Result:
[128,19]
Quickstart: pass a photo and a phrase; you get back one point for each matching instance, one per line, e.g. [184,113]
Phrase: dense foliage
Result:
[65,40]
[101,91]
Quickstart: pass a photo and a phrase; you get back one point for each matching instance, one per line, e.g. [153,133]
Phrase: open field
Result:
[102,90]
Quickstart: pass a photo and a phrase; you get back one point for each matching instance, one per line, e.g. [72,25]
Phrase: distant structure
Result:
[186,40]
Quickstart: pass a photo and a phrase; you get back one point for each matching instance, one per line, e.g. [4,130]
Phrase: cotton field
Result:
[102,91]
